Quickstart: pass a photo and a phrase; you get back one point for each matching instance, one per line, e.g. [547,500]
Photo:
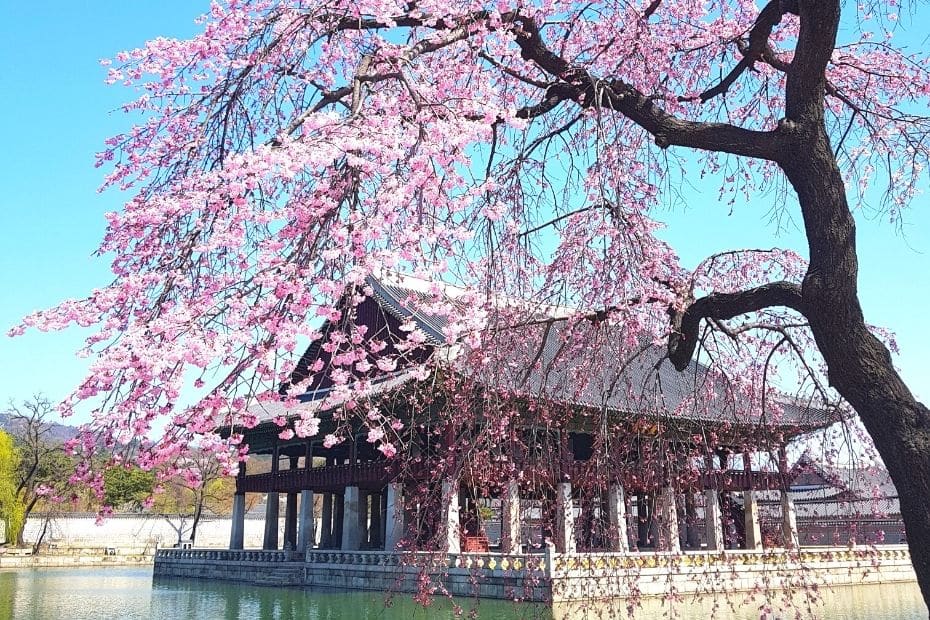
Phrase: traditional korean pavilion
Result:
[640,457]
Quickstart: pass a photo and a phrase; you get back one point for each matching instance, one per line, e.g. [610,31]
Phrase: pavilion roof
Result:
[533,361]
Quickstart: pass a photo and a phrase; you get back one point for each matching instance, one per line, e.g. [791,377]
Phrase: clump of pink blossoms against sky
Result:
[293,149]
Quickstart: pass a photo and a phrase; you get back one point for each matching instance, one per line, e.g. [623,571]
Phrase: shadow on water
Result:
[130,594]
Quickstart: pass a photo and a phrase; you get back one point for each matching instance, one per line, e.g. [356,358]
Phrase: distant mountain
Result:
[57,433]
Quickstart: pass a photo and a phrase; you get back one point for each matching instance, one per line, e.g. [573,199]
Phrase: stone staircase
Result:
[284,574]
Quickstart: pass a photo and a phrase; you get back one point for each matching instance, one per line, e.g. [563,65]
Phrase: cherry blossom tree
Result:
[522,151]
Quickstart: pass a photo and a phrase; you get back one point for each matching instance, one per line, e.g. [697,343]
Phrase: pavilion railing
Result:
[553,565]
[224,555]
[524,563]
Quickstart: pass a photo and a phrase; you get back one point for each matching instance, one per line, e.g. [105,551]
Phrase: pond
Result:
[130,594]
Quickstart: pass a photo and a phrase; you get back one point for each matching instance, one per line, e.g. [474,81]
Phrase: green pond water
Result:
[129,593]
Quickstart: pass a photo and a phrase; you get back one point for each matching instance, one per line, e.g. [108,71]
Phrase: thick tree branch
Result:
[580,86]
[722,306]
[769,17]
[804,90]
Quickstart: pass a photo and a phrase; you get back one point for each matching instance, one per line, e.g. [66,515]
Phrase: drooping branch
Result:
[723,306]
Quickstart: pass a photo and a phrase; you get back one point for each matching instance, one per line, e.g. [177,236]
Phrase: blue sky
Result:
[55,113]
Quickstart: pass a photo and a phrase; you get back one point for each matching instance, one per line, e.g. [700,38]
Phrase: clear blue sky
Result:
[55,113]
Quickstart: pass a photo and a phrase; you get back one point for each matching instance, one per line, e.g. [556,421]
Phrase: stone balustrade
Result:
[223,555]
[549,576]
[526,563]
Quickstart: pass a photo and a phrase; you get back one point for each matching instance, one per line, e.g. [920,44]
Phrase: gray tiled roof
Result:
[585,364]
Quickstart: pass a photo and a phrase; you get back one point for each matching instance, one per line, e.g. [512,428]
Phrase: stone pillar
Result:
[394,516]
[564,519]
[692,536]
[450,509]
[351,520]
[713,527]
[374,528]
[270,540]
[290,521]
[618,539]
[789,522]
[643,517]
[237,533]
[326,522]
[511,528]
[305,533]
[751,520]
[631,524]
[338,515]
[668,521]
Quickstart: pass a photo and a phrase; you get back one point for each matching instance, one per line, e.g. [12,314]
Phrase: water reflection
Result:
[173,598]
[864,602]
[128,593]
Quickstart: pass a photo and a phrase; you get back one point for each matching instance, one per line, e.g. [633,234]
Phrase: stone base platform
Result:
[551,578]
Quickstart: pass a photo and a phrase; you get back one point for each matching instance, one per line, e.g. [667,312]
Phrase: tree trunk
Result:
[198,511]
[859,365]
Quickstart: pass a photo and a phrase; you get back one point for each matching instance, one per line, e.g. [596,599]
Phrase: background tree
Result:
[44,468]
[522,151]
[199,487]
[127,487]
[11,505]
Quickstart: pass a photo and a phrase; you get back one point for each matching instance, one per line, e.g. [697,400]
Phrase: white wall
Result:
[141,530]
